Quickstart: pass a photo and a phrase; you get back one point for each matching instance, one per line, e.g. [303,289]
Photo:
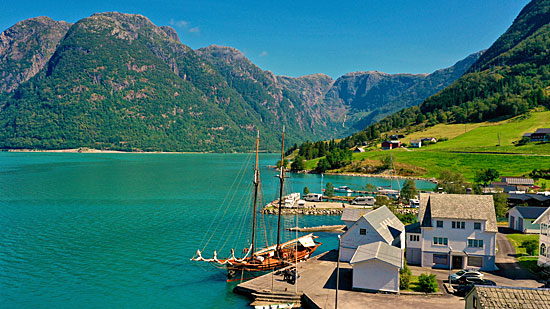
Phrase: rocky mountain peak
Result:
[26,47]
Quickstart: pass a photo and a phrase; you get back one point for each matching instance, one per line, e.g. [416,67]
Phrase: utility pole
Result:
[337,273]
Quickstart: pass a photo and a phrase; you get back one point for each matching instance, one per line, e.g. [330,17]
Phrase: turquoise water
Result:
[118,230]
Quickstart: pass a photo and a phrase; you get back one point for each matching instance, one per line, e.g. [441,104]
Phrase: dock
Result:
[316,288]
[321,228]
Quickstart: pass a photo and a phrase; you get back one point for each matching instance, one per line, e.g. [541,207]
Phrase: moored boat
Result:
[257,262]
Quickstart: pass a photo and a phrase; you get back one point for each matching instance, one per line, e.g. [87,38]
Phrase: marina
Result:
[163,202]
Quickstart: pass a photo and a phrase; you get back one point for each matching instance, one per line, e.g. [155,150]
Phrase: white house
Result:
[416,143]
[457,230]
[376,267]
[544,239]
[521,218]
[377,225]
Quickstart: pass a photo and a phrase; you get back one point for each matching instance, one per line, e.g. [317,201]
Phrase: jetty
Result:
[321,228]
[316,288]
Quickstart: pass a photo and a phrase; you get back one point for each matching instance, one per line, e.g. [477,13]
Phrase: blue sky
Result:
[304,37]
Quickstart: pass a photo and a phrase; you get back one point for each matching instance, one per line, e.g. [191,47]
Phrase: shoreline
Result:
[432,179]
[93,150]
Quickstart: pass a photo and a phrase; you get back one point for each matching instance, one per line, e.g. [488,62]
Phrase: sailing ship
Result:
[259,261]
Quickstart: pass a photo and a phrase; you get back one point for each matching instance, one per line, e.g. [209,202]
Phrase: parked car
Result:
[474,280]
[469,284]
[364,200]
[465,274]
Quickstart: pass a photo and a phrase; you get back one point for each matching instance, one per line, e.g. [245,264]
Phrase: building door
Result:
[512,223]
[457,262]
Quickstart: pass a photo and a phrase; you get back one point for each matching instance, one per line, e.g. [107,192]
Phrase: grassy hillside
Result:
[484,136]
[464,151]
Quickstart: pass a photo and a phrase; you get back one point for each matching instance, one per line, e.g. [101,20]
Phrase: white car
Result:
[465,274]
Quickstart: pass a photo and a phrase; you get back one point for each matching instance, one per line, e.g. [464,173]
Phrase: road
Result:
[507,263]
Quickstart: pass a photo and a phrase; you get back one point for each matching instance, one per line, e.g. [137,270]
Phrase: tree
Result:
[322,166]
[329,191]
[381,200]
[386,162]
[484,177]
[298,164]
[404,277]
[530,246]
[427,283]
[452,182]
[285,161]
[501,204]
[306,190]
[407,218]
[408,191]
[370,187]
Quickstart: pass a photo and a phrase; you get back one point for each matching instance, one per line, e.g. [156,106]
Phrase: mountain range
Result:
[509,79]
[117,81]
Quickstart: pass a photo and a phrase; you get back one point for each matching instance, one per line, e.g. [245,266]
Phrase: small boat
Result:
[344,189]
[257,262]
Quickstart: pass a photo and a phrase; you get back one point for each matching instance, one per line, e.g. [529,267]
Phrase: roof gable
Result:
[379,251]
[353,214]
[544,215]
[381,219]
[458,206]
[543,131]
[530,212]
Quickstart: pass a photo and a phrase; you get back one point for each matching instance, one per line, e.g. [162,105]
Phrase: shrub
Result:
[530,246]
[427,283]
[404,277]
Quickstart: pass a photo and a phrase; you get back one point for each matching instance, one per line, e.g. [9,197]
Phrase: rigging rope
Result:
[241,173]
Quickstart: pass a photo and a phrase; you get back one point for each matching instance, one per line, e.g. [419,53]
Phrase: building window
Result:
[475,261]
[440,259]
[439,223]
[362,231]
[543,229]
[458,225]
[441,241]
[474,302]
[475,243]
[543,250]
[414,237]
[477,226]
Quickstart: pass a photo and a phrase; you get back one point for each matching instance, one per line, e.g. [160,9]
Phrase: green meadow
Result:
[472,147]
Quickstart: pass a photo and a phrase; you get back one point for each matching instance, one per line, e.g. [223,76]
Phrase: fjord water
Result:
[118,230]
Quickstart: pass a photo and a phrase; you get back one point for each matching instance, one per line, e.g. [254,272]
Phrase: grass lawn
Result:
[518,239]
[414,285]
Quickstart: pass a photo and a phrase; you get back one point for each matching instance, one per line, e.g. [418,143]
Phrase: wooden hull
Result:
[253,267]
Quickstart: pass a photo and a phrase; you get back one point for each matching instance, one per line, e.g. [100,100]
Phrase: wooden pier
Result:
[316,288]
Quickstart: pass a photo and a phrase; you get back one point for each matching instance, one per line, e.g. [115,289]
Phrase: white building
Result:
[416,143]
[544,239]
[376,267]
[521,218]
[377,225]
[457,230]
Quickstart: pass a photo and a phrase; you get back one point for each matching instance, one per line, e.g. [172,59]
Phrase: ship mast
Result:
[281,188]
[256,185]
